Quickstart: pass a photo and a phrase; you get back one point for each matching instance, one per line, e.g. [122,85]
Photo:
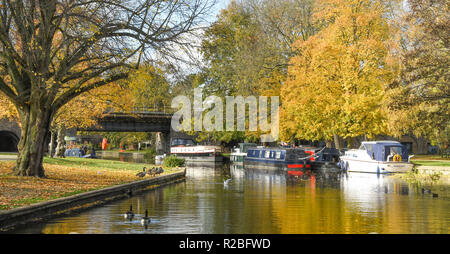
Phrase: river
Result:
[268,202]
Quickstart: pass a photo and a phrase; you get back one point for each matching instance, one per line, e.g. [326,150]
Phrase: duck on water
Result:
[145,220]
[129,214]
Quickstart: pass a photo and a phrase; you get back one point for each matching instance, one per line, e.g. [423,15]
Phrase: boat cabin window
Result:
[254,153]
[267,154]
[395,150]
[183,142]
[278,155]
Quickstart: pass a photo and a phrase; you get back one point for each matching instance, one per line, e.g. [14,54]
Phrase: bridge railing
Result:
[146,109]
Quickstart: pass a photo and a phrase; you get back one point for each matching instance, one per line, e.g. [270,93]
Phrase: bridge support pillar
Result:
[162,143]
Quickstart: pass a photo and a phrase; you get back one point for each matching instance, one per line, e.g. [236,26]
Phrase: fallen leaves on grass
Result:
[60,181]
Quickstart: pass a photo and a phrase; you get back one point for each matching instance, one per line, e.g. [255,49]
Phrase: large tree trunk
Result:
[338,142]
[35,122]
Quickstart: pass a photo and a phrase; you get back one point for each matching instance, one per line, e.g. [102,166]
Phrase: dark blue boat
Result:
[323,158]
[289,159]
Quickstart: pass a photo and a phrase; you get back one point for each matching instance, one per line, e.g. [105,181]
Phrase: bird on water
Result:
[145,220]
[129,214]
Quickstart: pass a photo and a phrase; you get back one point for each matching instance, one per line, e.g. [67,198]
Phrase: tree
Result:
[248,48]
[81,112]
[337,81]
[7,109]
[53,51]
[149,88]
[419,100]
[230,49]
[84,110]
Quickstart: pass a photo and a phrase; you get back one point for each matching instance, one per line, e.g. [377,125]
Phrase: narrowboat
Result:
[379,157]
[291,160]
[197,153]
[238,154]
[324,158]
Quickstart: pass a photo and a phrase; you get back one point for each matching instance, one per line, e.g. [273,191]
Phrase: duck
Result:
[153,171]
[145,220]
[129,214]
[142,174]
[160,170]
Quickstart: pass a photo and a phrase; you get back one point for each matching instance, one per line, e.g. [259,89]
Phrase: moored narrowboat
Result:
[187,150]
[323,158]
[291,160]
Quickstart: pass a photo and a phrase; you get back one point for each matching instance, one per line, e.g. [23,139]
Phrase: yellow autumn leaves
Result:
[61,180]
[336,83]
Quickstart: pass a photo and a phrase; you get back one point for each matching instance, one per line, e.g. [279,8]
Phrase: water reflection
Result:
[125,157]
[256,201]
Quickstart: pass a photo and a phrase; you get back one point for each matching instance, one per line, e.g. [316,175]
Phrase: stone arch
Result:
[8,141]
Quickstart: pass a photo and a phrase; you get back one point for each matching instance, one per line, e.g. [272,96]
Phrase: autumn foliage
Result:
[64,177]
[336,83]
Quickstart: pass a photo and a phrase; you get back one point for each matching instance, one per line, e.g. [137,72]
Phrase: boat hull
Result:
[276,165]
[237,157]
[199,158]
[377,167]
[325,165]
[194,154]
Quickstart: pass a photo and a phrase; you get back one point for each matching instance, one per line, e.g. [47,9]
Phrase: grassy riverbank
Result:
[64,177]
[430,160]
[430,170]
[432,163]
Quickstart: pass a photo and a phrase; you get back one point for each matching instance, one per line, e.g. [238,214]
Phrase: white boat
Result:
[197,153]
[377,157]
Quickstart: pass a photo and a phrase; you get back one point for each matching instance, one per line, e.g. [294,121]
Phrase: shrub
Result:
[149,156]
[173,161]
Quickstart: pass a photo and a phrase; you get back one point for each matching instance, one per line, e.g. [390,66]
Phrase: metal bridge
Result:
[138,120]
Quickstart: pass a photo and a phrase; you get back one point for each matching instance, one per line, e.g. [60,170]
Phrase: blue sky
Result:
[221,4]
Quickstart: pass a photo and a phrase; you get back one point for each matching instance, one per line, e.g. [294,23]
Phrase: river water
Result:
[257,201]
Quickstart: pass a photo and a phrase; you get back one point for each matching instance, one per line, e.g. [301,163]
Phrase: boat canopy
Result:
[381,151]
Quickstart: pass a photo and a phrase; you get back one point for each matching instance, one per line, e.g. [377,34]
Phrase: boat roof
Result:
[275,148]
[382,142]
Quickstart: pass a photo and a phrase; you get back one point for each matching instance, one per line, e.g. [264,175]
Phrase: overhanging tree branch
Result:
[72,93]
